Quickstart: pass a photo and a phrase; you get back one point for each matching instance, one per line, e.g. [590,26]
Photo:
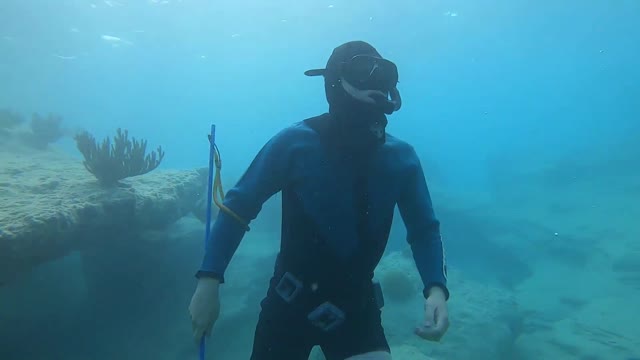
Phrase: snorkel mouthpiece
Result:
[387,103]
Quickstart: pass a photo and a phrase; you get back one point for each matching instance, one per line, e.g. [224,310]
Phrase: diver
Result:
[341,176]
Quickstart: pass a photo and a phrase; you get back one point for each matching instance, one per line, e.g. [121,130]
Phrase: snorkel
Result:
[387,103]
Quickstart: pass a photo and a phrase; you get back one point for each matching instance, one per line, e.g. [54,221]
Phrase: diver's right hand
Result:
[204,307]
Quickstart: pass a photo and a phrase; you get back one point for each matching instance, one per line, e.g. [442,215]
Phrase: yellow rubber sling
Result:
[218,192]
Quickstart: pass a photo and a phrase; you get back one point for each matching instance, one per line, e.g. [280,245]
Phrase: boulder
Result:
[484,318]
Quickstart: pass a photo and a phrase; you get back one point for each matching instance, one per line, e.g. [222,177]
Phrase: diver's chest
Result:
[320,175]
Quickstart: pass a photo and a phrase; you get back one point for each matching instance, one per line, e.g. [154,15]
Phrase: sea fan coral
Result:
[111,162]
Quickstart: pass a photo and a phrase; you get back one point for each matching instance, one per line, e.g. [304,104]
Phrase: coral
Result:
[44,130]
[50,207]
[8,121]
[110,163]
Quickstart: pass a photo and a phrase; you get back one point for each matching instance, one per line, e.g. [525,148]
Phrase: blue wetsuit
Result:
[337,209]
[318,184]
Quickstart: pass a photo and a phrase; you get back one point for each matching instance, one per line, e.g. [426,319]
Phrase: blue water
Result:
[483,82]
[545,75]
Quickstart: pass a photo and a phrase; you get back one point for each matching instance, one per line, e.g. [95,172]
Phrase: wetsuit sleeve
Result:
[423,229]
[265,176]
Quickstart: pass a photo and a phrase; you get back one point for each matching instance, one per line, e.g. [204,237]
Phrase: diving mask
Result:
[372,80]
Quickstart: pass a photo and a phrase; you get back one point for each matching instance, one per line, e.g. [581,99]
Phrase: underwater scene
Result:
[319,179]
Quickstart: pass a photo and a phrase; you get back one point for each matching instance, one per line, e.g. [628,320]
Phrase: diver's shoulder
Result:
[293,130]
[398,145]
[297,130]
[293,135]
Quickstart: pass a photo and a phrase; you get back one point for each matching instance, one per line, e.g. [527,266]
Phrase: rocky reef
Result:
[50,206]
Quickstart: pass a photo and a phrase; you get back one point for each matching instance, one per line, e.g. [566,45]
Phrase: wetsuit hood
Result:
[357,120]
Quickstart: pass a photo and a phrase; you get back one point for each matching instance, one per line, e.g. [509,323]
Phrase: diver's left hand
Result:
[436,316]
